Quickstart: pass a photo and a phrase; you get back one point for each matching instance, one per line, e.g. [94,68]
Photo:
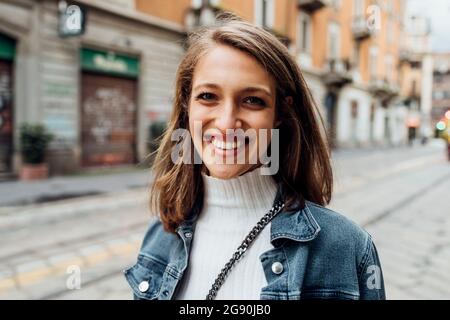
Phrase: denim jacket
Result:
[324,256]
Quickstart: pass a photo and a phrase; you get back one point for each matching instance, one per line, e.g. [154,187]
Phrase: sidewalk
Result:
[22,193]
[417,146]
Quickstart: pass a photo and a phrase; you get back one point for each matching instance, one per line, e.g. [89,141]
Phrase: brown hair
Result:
[305,172]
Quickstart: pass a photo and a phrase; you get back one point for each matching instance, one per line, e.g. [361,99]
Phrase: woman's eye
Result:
[254,101]
[207,96]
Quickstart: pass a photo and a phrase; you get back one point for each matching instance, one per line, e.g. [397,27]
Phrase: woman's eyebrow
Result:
[207,85]
[264,90]
[254,88]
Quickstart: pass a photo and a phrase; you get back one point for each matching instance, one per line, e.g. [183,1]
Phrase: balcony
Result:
[414,94]
[312,5]
[338,73]
[202,16]
[410,56]
[360,29]
[383,89]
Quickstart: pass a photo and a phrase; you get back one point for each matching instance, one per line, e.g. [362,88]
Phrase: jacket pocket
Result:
[333,294]
[145,278]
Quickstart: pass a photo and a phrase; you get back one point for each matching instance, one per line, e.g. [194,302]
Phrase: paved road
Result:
[398,195]
[41,244]
[401,197]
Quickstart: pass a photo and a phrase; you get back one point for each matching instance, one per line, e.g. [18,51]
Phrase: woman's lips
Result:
[227,147]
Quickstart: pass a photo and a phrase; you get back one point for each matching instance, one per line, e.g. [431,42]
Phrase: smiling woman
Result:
[230,230]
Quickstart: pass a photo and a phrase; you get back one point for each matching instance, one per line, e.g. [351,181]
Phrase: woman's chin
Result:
[226,171]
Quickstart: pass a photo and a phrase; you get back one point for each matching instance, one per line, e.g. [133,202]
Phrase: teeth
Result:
[226,145]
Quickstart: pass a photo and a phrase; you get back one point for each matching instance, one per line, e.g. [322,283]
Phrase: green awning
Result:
[7,47]
[109,63]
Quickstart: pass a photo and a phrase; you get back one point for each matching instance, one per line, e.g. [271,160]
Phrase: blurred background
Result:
[86,87]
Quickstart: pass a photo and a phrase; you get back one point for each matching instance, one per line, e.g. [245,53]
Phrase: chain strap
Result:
[242,248]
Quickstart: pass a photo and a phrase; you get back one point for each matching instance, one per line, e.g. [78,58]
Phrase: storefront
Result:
[108,108]
[7,55]
[98,92]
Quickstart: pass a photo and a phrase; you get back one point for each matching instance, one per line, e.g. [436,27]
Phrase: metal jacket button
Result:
[277,267]
[143,286]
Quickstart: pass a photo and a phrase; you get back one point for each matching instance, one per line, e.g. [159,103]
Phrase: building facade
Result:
[441,90]
[348,49]
[416,73]
[98,92]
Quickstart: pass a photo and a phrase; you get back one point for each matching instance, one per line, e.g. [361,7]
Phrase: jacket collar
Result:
[298,225]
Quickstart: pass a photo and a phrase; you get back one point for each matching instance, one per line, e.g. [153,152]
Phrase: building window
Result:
[373,63]
[304,33]
[197,4]
[354,109]
[389,65]
[389,6]
[265,13]
[334,41]
[336,4]
[358,8]
[438,95]
[390,30]
[414,87]
[416,65]
[356,56]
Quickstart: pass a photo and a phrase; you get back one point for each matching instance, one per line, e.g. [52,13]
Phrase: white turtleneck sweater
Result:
[231,209]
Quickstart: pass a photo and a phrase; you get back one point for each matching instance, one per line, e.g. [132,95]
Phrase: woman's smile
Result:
[230,146]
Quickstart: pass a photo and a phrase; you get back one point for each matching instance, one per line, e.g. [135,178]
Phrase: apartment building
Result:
[416,74]
[441,90]
[354,52]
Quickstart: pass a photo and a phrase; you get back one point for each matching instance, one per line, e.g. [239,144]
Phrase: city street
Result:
[399,195]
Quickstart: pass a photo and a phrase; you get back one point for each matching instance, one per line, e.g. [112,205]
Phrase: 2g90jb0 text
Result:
[250,310]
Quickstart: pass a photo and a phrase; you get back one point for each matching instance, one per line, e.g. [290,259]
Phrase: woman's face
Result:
[230,90]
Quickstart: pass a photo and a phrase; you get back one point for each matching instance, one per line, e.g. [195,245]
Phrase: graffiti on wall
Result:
[6,116]
[5,101]
[108,120]
[107,114]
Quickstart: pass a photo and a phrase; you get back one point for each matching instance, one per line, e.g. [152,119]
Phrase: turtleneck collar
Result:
[251,190]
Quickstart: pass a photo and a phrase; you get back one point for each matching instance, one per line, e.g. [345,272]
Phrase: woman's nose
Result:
[227,117]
